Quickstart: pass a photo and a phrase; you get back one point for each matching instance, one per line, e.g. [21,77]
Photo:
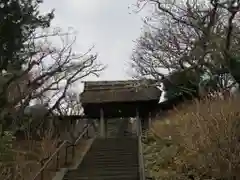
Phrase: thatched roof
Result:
[119,91]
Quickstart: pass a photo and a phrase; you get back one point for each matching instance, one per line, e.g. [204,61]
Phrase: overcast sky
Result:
[108,24]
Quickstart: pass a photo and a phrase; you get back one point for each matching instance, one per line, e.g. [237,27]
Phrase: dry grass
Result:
[197,141]
[28,154]
[26,158]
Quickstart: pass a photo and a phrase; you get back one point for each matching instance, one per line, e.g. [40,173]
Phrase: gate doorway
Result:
[116,103]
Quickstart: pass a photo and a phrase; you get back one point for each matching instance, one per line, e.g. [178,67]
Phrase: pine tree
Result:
[19,19]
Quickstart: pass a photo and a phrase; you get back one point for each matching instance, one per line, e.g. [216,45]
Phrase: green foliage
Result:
[19,22]
[187,83]
[234,66]
[209,82]
[158,155]
[6,140]
[182,83]
[19,19]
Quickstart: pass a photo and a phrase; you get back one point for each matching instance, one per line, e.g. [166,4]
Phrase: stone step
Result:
[116,145]
[104,164]
[109,148]
[128,149]
[116,140]
[103,173]
[114,168]
[109,159]
[113,153]
[92,158]
[121,177]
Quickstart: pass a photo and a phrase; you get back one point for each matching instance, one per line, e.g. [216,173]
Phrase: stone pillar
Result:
[102,124]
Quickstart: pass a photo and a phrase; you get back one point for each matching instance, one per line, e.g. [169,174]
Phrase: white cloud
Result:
[106,23]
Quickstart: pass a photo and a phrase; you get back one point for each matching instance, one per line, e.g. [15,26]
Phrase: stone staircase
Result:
[109,159]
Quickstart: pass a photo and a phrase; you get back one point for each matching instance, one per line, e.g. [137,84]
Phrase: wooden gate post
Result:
[138,121]
[149,120]
[102,124]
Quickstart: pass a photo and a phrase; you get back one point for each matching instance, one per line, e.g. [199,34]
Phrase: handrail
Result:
[140,150]
[85,130]
[50,159]
[56,152]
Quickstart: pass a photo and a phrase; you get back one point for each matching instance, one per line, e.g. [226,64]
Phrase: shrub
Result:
[205,136]
[20,159]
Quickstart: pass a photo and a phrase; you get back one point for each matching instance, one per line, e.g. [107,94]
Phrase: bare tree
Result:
[189,35]
[71,105]
[53,72]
